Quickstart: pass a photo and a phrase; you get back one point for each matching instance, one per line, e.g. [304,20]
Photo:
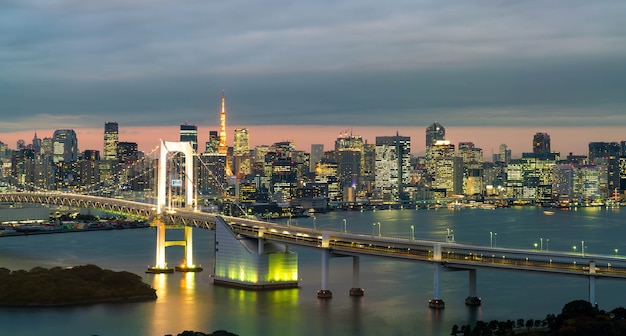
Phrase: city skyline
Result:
[518,139]
[540,65]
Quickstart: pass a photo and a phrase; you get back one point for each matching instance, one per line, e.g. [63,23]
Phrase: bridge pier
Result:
[161,264]
[252,262]
[592,282]
[325,293]
[356,290]
[472,299]
[436,302]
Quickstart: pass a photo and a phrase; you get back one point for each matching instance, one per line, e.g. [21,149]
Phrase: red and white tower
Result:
[223,148]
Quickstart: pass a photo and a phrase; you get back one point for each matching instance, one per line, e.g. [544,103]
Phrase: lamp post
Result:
[373,228]
[582,247]
[547,244]
[490,239]
[345,229]
[535,246]
[495,239]
[615,252]
[314,224]
[378,228]
[412,232]
[541,246]
[574,247]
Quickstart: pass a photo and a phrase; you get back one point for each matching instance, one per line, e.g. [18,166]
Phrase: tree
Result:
[455,330]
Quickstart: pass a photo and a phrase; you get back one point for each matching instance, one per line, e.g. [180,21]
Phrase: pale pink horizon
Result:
[519,139]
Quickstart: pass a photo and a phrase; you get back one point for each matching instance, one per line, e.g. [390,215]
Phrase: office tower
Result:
[444,168]
[127,152]
[349,156]
[606,156]
[36,144]
[541,143]
[563,180]
[88,169]
[189,133]
[472,158]
[504,154]
[241,144]
[213,144]
[317,152]
[223,148]
[537,176]
[65,146]
[110,141]
[393,166]
[434,133]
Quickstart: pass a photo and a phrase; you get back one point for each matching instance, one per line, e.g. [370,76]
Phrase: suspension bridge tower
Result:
[167,147]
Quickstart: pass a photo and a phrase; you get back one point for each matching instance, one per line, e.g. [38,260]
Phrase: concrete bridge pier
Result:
[592,283]
[161,243]
[436,302]
[325,293]
[356,290]
[472,299]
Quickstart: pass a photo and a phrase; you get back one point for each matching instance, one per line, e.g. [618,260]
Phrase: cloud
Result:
[318,63]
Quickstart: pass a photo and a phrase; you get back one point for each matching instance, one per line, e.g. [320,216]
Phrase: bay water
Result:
[396,292]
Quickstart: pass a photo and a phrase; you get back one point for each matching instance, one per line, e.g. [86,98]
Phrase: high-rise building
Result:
[213,144]
[349,151]
[445,169]
[317,152]
[504,154]
[393,166]
[65,146]
[606,156]
[541,143]
[241,144]
[223,147]
[434,133]
[111,139]
[127,152]
[189,133]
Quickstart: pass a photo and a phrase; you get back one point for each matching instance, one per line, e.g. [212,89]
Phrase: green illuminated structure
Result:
[252,263]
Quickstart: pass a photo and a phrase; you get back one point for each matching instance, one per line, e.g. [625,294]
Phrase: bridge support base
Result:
[473,301]
[324,294]
[158,270]
[357,292]
[436,304]
[184,268]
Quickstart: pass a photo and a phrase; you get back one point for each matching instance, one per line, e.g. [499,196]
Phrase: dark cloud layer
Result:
[479,63]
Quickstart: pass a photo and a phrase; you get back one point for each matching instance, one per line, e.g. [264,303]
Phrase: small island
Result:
[87,284]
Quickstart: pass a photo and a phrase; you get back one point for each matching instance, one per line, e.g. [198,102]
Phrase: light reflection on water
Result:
[396,293]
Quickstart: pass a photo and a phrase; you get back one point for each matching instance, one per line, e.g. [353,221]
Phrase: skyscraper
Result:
[110,140]
[434,132]
[393,166]
[223,148]
[317,152]
[189,133]
[541,143]
[241,144]
[65,146]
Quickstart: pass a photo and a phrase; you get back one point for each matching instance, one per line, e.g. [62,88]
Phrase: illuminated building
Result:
[65,146]
[606,156]
[393,166]
[213,144]
[541,143]
[472,158]
[241,144]
[349,154]
[587,182]
[537,175]
[326,171]
[317,151]
[110,141]
[444,168]
[563,180]
[88,168]
[211,168]
[127,152]
[434,133]
[189,133]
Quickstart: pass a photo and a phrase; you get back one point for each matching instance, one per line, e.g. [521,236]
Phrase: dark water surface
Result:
[396,292]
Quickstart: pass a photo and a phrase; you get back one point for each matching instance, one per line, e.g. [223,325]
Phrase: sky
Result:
[309,70]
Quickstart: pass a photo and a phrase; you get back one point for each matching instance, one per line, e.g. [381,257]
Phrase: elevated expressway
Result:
[445,256]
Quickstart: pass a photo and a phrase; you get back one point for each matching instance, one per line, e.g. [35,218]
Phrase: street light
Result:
[574,247]
[314,224]
[547,244]
[535,246]
[412,232]
[345,229]
[490,239]
[616,252]
[541,240]
[495,239]
[582,247]
[373,228]
[378,228]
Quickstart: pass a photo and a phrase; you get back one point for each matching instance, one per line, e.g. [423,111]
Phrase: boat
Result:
[548,212]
